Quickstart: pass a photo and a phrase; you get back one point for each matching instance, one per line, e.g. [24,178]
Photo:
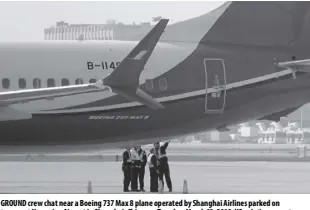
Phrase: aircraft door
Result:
[215,85]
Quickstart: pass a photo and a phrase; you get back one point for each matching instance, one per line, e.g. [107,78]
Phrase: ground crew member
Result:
[163,163]
[141,168]
[126,169]
[152,162]
[134,169]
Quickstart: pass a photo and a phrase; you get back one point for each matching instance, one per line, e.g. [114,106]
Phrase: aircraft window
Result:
[92,80]
[22,83]
[50,82]
[36,83]
[79,81]
[64,82]
[149,84]
[6,83]
[163,84]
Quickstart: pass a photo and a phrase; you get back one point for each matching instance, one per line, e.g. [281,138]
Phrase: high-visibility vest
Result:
[159,155]
[129,159]
[149,160]
[141,155]
[134,155]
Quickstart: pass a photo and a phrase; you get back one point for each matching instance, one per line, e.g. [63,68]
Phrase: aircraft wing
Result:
[277,116]
[124,80]
[23,96]
[299,65]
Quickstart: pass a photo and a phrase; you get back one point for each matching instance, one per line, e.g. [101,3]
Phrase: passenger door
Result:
[215,85]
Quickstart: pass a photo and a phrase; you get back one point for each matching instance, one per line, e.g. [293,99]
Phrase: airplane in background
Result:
[242,61]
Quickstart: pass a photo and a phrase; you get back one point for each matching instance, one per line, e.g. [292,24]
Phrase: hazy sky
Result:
[27,20]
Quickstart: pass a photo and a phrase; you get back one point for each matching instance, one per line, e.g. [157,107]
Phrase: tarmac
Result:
[184,152]
[207,168]
[202,177]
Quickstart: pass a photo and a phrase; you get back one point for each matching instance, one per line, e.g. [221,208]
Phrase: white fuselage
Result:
[63,61]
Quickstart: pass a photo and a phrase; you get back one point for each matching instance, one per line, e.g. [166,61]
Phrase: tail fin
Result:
[262,24]
[258,23]
[194,29]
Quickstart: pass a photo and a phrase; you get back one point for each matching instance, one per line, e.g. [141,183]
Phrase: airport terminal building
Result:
[111,30]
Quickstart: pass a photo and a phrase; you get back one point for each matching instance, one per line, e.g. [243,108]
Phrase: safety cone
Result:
[89,188]
[161,187]
[185,189]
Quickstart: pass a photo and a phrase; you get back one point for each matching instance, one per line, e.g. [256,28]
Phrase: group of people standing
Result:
[135,161]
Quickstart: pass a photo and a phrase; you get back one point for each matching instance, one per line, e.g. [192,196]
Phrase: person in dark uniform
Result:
[126,169]
[134,169]
[163,163]
[152,162]
[141,168]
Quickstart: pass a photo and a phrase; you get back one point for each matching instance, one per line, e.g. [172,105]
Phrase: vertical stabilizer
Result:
[262,23]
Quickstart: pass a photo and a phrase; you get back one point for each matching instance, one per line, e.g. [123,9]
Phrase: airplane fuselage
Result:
[179,76]
[71,62]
